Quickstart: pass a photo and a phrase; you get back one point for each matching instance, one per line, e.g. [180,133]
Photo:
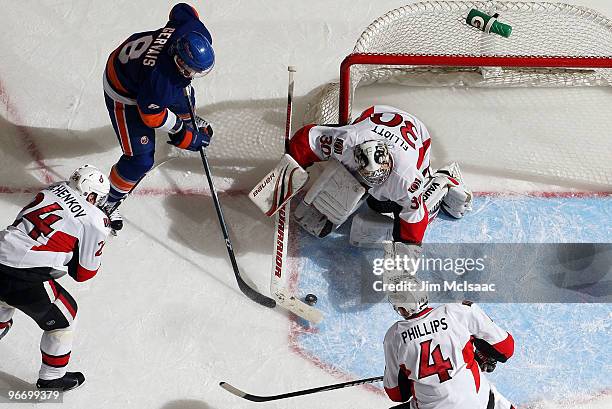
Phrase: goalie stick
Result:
[257,398]
[279,292]
[244,287]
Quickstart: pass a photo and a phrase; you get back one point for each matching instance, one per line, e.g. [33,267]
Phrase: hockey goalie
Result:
[382,158]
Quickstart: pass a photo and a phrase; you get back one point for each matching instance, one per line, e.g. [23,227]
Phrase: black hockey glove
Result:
[115,218]
[486,363]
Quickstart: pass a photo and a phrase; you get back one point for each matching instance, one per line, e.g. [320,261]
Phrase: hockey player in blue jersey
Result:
[144,83]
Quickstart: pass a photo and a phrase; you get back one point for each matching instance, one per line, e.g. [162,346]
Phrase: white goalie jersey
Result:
[431,358]
[59,228]
[409,144]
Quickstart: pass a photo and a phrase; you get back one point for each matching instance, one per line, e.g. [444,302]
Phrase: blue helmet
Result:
[194,55]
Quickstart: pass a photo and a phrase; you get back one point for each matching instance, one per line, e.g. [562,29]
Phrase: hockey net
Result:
[535,105]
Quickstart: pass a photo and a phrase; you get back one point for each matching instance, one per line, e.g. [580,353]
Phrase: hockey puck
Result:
[310,299]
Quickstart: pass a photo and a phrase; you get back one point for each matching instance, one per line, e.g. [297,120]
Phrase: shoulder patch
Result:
[468,303]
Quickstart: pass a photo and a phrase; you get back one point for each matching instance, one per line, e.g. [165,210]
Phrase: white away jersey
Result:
[409,144]
[56,227]
[432,356]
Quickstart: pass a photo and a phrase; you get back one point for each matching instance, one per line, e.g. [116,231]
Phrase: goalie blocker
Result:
[279,186]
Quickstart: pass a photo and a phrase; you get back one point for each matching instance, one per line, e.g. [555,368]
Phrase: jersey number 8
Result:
[134,49]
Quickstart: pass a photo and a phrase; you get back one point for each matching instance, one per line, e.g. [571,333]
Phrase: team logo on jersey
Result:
[153,106]
[415,185]
[144,140]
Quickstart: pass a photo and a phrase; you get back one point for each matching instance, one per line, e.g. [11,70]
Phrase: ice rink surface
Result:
[164,322]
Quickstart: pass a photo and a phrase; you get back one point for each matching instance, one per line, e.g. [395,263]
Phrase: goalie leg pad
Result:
[336,193]
[312,220]
[371,230]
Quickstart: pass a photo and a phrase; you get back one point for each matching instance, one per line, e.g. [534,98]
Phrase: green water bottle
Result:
[487,23]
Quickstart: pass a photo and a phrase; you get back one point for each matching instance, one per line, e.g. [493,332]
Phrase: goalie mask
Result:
[374,162]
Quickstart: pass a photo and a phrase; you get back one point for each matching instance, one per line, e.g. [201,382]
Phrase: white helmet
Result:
[374,160]
[413,301]
[87,180]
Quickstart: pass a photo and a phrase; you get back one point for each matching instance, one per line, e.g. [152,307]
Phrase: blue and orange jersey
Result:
[142,72]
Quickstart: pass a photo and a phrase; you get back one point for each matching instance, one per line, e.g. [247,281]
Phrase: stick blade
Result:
[237,392]
[289,302]
[254,295]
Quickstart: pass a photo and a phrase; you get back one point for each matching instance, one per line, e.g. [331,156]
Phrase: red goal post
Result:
[534,106]
[551,45]
[415,60]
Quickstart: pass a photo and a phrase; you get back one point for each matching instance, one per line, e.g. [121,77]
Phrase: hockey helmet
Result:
[410,298]
[87,180]
[374,162]
[193,55]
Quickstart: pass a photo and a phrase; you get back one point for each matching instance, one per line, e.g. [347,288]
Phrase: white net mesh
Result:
[572,144]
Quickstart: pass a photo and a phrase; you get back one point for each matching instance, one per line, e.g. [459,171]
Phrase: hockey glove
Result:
[115,218]
[486,363]
[187,138]
[204,126]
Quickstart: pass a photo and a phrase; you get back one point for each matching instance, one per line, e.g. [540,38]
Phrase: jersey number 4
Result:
[440,366]
[42,225]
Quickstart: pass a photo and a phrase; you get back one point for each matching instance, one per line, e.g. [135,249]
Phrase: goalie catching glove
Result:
[184,136]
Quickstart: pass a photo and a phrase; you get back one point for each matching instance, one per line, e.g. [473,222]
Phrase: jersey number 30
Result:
[440,366]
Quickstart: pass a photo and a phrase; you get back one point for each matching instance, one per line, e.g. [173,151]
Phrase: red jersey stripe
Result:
[59,242]
[468,358]
[299,147]
[505,347]
[84,274]
[394,394]
[422,152]
[414,232]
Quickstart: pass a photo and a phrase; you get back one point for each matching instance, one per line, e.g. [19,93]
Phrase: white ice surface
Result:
[163,322]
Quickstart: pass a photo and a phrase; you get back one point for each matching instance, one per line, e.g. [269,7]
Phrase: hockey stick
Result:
[256,398]
[244,287]
[281,294]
